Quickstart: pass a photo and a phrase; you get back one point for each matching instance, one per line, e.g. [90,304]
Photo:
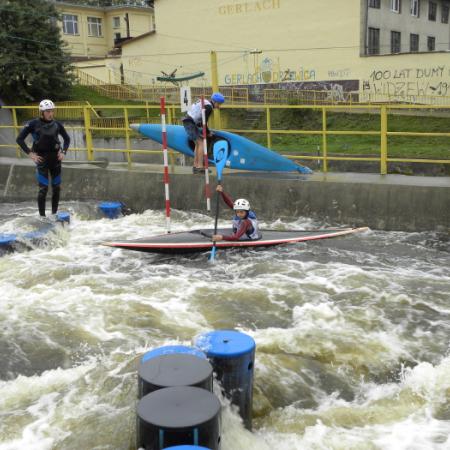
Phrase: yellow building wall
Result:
[139,23]
[82,44]
[91,46]
[305,44]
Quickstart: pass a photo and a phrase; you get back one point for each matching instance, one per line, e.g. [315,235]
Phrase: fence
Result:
[93,125]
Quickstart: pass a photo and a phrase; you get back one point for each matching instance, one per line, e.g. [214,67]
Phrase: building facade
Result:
[407,26]
[324,45]
[92,32]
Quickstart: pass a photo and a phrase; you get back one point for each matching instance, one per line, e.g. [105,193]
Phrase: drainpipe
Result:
[365,9]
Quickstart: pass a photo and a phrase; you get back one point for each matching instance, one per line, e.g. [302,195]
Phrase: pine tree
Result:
[33,63]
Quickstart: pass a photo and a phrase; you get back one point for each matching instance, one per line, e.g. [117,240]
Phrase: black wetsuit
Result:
[46,144]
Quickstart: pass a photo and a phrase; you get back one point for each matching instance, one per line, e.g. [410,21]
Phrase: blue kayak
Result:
[242,153]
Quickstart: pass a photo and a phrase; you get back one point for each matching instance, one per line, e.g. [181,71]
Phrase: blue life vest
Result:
[254,232]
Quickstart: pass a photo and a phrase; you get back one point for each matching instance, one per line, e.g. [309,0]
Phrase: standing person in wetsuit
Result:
[245,223]
[46,152]
[192,123]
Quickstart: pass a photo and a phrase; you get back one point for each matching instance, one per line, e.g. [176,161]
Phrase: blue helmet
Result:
[217,97]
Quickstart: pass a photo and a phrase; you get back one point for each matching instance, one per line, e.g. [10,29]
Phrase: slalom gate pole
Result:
[205,157]
[166,161]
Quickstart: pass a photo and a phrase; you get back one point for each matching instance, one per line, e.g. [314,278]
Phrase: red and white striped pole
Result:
[205,157]
[166,161]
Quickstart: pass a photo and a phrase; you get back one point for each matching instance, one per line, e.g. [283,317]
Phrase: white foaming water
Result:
[352,334]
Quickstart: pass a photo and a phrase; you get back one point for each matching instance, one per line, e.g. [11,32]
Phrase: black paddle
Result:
[220,159]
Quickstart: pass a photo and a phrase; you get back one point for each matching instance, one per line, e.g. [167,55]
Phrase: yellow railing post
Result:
[127,136]
[147,111]
[324,140]
[88,132]
[16,125]
[269,128]
[383,143]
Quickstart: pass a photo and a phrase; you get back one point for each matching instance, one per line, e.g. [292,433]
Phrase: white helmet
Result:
[45,105]
[241,204]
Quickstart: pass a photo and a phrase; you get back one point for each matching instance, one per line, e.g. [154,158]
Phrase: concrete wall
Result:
[389,203]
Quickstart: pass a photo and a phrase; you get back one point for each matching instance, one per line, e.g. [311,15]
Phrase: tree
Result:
[33,63]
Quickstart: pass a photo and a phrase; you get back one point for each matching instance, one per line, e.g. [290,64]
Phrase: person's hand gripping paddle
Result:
[220,159]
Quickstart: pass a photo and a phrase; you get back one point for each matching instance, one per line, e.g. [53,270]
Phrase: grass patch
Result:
[421,147]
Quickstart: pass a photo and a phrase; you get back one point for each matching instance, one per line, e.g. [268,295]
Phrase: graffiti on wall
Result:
[270,72]
[405,83]
[334,90]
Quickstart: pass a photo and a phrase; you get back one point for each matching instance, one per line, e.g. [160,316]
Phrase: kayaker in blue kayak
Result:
[192,123]
[245,222]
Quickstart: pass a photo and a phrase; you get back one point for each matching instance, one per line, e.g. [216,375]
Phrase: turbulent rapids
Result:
[352,334]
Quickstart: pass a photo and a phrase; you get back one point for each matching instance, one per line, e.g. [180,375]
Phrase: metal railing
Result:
[153,92]
[94,126]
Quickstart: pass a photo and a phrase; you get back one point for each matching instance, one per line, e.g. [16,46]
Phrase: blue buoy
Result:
[176,369]
[171,349]
[112,210]
[7,239]
[232,355]
[63,217]
[179,416]
[186,447]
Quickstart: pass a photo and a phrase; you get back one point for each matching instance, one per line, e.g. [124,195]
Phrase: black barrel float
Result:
[183,415]
[175,369]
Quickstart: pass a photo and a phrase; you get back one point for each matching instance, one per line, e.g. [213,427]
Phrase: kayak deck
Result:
[196,241]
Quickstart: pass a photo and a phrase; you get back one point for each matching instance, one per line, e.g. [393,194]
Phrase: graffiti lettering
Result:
[431,72]
[268,76]
[339,73]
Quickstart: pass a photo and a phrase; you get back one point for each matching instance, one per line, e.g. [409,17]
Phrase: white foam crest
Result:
[428,380]
[27,390]
[39,434]
[324,329]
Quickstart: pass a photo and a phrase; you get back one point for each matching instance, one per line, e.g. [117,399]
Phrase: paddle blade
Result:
[212,255]
[220,151]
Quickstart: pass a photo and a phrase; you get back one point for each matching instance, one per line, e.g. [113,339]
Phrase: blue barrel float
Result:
[171,349]
[232,355]
[111,210]
[63,217]
[7,241]
[182,415]
[186,447]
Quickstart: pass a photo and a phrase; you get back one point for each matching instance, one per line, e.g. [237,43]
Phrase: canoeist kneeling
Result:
[245,223]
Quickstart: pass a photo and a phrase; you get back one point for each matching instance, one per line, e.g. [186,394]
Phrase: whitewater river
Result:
[352,334]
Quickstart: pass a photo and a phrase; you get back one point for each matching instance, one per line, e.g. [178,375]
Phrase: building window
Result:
[70,24]
[415,7]
[374,4]
[413,42]
[432,10]
[444,14]
[94,26]
[396,5]
[431,43]
[116,22]
[395,42]
[374,41]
